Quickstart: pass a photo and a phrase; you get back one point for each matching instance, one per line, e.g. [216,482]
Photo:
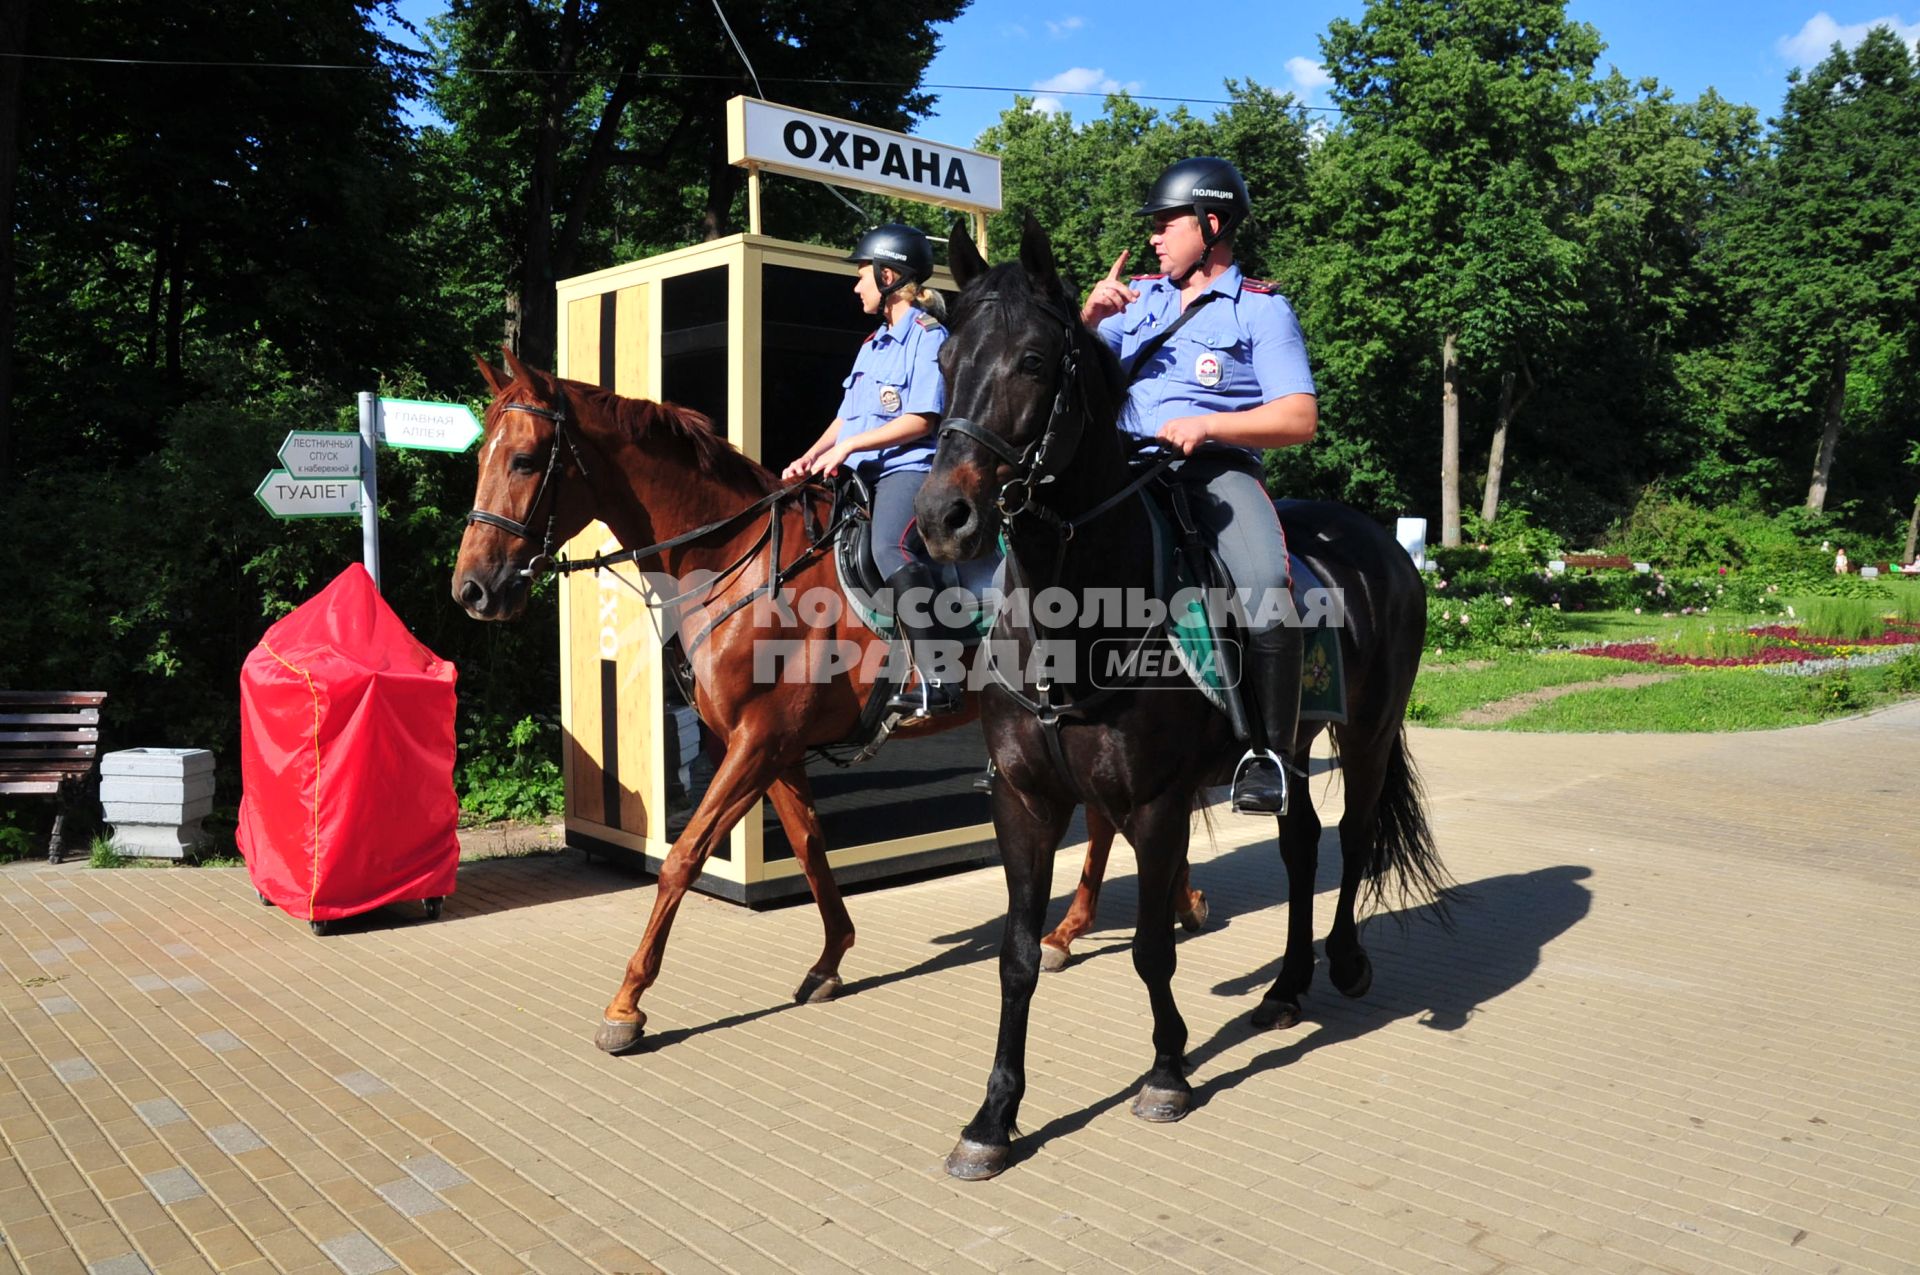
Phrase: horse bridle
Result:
[1046,456]
[541,562]
[1042,459]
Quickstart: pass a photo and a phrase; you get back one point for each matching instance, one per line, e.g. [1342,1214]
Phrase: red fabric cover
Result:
[346,758]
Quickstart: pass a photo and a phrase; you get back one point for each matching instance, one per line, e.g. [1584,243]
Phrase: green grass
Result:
[1445,690]
[1906,600]
[1844,619]
[1691,700]
[103,855]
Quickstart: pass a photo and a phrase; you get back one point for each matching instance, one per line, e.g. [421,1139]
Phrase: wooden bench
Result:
[1591,560]
[50,747]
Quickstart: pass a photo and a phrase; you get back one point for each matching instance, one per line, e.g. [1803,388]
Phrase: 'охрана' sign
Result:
[803,144]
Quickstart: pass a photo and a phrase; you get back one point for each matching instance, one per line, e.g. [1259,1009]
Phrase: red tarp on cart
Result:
[346,758]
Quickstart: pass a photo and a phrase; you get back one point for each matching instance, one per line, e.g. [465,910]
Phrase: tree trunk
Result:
[1449,441]
[13,39]
[1510,405]
[1829,437]
[1913,532]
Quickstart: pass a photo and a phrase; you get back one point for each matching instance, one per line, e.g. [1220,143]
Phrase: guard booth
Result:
[759,334]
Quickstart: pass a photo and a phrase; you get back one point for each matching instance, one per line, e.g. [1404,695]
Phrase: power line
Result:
[380,68]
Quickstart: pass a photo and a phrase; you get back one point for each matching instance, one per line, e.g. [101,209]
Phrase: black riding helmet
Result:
[1206,185]
[901,249]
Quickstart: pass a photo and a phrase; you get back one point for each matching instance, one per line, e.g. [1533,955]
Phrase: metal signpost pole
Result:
[369,487]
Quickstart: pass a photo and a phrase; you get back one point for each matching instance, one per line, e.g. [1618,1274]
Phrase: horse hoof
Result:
[1195,918]
[817,989]
[1162,1106]
[975,1161]
[1358,985]
[1052,959]
[1276,1011]
[615,1037]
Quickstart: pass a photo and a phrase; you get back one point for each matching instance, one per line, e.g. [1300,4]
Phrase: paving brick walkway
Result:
[1677,1029]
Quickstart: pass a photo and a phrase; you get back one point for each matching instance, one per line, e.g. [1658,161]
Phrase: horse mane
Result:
[1100,367]
[640,419]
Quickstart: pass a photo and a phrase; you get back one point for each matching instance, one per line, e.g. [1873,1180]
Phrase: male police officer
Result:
[1218,368]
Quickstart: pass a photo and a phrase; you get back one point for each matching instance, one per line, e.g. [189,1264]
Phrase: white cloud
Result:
[1065,27]
[1309,77]
[1816,39]
[1078,79]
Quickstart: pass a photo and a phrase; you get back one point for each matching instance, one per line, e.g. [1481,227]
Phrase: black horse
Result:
[1030,447]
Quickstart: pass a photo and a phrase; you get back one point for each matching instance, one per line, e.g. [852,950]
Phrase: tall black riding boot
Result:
[1273,668]
[931,699]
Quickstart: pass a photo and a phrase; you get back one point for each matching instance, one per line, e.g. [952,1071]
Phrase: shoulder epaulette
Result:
[925,320]
[1259,285]
[1142,278]
[869,336]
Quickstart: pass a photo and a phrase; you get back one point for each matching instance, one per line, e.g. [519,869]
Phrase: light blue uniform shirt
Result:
[1243,349]
[896,373]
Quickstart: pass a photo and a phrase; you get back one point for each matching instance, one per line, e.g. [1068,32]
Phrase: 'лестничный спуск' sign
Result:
[847,154]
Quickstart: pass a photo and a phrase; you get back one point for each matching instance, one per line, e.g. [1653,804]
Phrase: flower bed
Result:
[1774,645]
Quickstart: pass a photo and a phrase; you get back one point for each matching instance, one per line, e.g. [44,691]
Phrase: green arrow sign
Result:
[434,427]
[285,496]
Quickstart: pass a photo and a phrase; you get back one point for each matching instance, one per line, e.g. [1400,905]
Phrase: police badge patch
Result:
[1206,368]
[890,398]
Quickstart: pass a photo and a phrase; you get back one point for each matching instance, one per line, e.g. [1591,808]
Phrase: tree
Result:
[200,196]
[1823,250]
[579,124]
[1085,181]
[1440,198]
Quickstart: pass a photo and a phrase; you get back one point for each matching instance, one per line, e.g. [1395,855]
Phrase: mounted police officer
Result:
[885,429]
[1217,367]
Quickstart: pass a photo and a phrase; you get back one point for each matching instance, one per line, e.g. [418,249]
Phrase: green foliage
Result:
[1845,618]
[19,839]
[1511,622]
[1833,694]
[1902,676]
[102,854]
[510,771]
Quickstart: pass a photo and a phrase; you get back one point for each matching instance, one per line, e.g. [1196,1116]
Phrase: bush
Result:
[510,771]
[1506,622]
[1833,693]
[1903,675]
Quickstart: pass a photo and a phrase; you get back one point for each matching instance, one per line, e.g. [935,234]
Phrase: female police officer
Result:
[1218,368]
[893,401]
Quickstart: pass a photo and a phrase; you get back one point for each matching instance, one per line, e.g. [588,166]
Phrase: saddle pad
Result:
[1323,682]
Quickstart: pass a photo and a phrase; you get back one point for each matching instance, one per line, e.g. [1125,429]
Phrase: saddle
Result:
[1208,644]
[865,584]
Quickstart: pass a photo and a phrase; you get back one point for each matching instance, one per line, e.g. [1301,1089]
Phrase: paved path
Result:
[1678,1029]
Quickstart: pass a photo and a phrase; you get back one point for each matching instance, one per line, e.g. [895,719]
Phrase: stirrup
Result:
[983,782]
[1260,784]
[924,704]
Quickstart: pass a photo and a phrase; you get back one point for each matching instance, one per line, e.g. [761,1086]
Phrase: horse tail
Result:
[1404,862]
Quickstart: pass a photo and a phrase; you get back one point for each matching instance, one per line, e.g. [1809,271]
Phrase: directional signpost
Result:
[332,475]
[286,496]
[433,427]
[307,454]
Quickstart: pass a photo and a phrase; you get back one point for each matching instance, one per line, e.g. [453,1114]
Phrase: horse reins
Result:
[544,561]
[1038,464]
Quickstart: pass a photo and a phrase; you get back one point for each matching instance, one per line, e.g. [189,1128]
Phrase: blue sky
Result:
[1743,48]
[1061,50]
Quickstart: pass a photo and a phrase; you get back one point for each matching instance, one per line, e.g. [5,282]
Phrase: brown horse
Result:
[559,454]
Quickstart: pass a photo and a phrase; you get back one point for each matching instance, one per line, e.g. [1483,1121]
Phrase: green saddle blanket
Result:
[1200,646]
